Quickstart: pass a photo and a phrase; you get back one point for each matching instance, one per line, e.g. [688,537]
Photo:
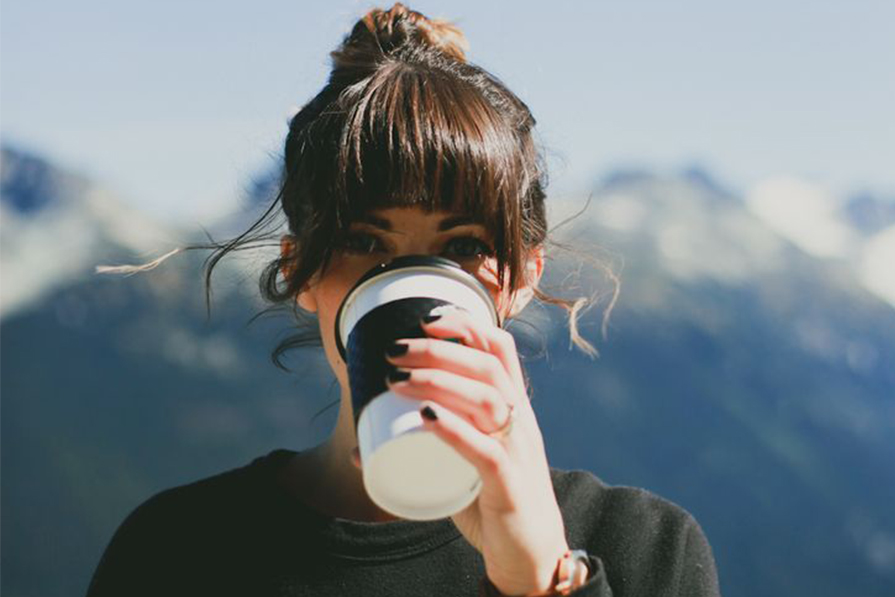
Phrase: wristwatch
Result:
[572,571]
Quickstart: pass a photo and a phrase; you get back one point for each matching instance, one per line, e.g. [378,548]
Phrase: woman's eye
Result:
[467,247]
[358,242]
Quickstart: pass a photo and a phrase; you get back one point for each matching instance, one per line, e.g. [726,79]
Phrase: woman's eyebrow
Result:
[454,221]
[374,221]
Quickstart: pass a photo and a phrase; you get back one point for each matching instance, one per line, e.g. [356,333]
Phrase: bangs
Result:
[407,135]
[412,138]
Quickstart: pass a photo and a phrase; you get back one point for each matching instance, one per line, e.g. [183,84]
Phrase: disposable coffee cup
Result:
[407,470]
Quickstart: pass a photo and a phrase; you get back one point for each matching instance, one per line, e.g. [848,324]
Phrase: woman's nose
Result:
[421,246]
[400,254]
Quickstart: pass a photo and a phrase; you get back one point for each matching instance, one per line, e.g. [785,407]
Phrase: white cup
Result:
[407,470]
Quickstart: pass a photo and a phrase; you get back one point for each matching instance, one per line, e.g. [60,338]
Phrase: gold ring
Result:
[504,430]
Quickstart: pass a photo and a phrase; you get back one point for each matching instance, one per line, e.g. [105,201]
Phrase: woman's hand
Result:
[515,522]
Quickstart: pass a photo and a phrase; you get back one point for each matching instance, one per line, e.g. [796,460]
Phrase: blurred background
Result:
[740,166]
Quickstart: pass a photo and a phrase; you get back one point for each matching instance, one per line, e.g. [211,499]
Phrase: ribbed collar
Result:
[351,539]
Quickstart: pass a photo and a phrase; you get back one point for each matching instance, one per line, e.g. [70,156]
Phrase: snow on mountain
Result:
[876,264]
[859,232]
[804,213]
[56,226]
[692,228]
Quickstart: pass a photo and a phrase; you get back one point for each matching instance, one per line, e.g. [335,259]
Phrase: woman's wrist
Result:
[570,572]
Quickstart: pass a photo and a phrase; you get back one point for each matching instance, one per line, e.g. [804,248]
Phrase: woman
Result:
[409,149]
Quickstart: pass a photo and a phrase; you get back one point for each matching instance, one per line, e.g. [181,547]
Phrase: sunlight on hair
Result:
[129,270]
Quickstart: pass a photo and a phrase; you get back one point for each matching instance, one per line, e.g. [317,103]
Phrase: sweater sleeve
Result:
[646,545]
[597,585]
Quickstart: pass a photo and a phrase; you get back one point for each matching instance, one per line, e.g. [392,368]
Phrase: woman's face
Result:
[393,232]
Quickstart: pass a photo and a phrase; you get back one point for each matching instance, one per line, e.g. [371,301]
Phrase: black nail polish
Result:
[398,375]
[428,413]
[396,349]
[431,318]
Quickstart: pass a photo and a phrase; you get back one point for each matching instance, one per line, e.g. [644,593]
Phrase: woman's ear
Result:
[534,268]
[305,298]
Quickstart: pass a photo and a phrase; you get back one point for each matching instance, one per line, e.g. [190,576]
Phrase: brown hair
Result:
[404,120]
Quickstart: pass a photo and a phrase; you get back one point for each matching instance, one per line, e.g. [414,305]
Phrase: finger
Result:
[433,353]
[454,325]
[488,338]
[355,458]
[479,402]
[485,453]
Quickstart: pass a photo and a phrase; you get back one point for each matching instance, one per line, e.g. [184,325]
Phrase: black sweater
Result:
[240,533]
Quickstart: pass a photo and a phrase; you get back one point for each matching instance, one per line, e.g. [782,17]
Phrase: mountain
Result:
[114,387]
[56,226]
[744,377]
[869,213]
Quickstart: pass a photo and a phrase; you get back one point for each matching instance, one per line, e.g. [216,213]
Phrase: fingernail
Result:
[398,375]
[428,413]
[431,318]
[396,349]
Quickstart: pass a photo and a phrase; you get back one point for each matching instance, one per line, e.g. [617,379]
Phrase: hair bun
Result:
[384,32]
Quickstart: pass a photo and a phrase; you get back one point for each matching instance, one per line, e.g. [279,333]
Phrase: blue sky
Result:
[175,105]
